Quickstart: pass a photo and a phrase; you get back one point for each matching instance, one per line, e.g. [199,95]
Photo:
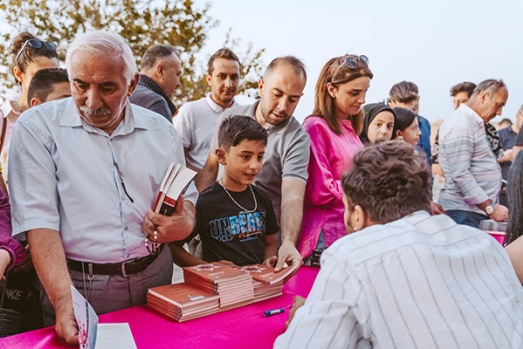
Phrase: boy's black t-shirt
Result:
[226,232]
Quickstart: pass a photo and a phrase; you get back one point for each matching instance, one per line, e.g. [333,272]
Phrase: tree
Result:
[140,22]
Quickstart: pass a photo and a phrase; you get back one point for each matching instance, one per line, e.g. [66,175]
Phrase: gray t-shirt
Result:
[286,154]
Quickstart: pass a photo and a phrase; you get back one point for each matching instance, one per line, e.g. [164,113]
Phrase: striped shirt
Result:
[419,282]
[472,174]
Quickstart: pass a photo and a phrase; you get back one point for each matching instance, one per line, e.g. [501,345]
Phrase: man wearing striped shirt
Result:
[403,278]
[472,173]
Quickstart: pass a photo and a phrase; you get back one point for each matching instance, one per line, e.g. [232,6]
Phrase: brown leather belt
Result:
[125,269]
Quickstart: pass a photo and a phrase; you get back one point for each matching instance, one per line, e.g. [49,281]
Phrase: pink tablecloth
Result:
[243,327]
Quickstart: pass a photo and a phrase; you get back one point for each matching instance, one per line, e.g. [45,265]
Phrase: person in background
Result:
[47,84]
[406,127]
[29,55]
[505,122]
[405,94]
[160,73]
[461,93]
[402,278]
[88,218]
[234,218]
[196,121]
[378,123]
[472,173]
[507,140]
[333,128]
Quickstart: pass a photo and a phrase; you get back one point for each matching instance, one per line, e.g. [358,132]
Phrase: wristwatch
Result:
[489,209]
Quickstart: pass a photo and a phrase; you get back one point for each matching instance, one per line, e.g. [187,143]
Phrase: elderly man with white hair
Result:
[84,173]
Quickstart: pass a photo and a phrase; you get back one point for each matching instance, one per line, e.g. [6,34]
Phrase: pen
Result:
[273,312]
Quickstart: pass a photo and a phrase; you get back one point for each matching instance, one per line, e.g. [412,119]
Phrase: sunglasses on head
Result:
[37,44]
[351,63]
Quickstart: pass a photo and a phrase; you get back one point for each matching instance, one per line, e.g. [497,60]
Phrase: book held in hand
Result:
[174,183]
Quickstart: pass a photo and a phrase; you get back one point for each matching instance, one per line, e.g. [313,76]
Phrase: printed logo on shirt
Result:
[246,226]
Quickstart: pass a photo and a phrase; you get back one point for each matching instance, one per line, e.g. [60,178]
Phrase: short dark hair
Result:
[237,128]
[43,83]
[221,53]
[154,53]
[404,92]
[388,180]
[465,86]
[296,64]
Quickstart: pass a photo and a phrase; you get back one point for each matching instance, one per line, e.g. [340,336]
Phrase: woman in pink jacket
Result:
[334,126]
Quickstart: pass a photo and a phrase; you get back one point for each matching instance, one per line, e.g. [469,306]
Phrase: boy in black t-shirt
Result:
[235,219]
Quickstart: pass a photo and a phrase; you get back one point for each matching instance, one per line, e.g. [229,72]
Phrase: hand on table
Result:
[297,303]
[287,253]
[66,326]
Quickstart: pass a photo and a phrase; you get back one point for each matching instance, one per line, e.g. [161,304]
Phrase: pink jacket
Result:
[331,155]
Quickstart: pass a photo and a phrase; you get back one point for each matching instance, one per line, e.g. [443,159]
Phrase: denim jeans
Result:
[469,218]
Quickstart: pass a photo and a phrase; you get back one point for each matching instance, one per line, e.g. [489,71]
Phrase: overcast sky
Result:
[435,44]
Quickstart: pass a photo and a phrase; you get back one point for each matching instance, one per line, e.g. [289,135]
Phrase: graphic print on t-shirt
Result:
[245,226]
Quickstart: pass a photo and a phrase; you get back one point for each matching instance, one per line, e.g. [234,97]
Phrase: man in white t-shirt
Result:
[196,120]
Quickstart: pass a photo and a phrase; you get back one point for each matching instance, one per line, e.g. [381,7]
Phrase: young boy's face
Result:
[242,163]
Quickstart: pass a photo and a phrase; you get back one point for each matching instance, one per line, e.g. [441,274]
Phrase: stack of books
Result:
[183,302]
[266,283]
[231,284]
[215,287]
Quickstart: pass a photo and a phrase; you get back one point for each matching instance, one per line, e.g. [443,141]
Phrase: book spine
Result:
[168,206]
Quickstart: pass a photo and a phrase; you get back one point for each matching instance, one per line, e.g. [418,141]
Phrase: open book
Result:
[174,183]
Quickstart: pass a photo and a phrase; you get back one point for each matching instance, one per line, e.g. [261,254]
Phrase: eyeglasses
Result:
[351,63]
[37,44]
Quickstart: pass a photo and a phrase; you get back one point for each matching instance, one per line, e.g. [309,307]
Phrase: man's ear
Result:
[208,77]
[159,69]
[359,218]
[221,155]
[35,101]
[260,85]
[133,84]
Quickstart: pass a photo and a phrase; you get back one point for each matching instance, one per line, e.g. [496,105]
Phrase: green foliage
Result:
[140,22]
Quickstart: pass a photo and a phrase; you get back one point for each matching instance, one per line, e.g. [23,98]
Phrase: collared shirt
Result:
[195,123]
[331,155]
[286,154]
[63,175]
[419,282]
[8,115]
[472,173]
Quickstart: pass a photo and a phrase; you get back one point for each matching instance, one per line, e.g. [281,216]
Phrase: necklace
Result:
[237,204]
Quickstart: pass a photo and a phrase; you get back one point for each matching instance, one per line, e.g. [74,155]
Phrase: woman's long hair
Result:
[515,200]
[324,105]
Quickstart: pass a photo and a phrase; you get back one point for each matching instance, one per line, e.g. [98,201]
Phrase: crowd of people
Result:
[84,151]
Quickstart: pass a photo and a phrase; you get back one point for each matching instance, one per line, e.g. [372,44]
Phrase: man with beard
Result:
[284,172]
[84,173]
[195,121]
[472,173]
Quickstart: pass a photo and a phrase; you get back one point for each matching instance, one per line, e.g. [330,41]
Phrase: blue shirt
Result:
[62,176]
[424,140]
